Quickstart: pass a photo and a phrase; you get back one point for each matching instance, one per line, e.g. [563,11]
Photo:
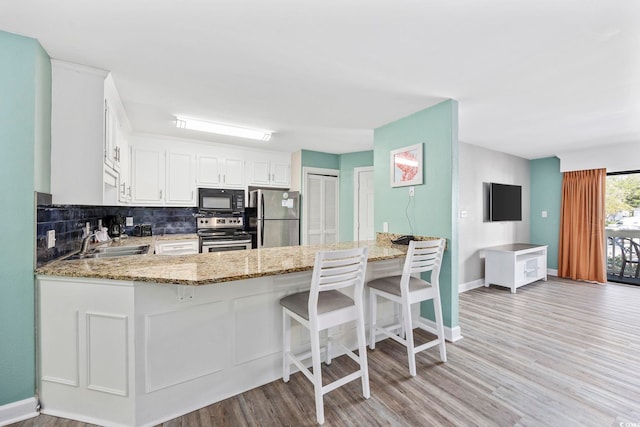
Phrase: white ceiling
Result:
[532,77]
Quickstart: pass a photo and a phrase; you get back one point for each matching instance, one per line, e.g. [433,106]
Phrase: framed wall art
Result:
[406,166]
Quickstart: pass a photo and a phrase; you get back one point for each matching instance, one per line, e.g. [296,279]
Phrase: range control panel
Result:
[219,222]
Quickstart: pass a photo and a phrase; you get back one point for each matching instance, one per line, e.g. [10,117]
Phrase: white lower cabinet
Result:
[177,247]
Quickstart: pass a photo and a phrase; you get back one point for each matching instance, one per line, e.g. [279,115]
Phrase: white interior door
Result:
[363,204]
[321,209]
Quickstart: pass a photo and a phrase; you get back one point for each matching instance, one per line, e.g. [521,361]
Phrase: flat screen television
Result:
[506,202]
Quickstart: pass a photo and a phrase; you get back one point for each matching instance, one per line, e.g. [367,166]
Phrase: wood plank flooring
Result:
[557,353]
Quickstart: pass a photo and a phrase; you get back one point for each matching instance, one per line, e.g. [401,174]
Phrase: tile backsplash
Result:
[69,220]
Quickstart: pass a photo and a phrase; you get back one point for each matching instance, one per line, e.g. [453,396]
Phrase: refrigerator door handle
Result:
[261,234]
[261,242]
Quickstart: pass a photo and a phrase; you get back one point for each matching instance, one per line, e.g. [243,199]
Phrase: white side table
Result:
[515,265]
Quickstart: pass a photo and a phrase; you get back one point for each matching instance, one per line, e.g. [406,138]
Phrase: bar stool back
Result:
[410,289]
[324,307]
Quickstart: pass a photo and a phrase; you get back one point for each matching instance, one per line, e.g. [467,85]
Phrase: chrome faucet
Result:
[85,243]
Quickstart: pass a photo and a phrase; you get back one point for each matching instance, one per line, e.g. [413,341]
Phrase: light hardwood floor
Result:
[557,353]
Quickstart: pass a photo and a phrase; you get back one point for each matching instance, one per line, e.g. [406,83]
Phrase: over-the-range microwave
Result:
[220,200]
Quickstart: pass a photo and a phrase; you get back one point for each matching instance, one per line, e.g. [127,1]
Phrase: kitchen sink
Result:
[112,252]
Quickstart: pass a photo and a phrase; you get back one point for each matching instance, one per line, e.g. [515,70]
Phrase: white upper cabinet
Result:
[77,116]
[147,169]
[162,176]
[179,179]
[217,171]
[270,171]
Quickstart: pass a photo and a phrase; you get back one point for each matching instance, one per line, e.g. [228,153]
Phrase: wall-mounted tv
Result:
[506,202]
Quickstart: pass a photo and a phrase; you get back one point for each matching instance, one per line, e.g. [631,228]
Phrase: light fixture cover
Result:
[222,129]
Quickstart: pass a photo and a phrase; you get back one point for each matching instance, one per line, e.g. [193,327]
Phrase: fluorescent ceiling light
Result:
[202,126]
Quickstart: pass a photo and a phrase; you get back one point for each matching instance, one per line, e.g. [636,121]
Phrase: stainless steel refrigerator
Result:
[278,217]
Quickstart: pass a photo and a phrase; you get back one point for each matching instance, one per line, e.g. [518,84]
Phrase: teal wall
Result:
[433,209]
[546,195]
[348,162]
[25,106]
[318,159]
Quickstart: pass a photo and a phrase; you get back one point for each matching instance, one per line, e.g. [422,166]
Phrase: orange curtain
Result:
[581,252]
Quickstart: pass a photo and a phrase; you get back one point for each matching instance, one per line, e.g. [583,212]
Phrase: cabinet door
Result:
[124,176]
[280,174]
[112,136]
[180,182]
[209,171]
[147,173]
[233,173]
[260,171]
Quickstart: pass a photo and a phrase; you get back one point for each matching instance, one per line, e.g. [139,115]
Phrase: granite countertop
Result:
[215,267]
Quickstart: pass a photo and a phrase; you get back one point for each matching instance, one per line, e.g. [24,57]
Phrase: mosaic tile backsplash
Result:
[69,220]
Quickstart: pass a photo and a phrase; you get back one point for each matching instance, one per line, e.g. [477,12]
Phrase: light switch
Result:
[544,214]
[385,227]
[51,239]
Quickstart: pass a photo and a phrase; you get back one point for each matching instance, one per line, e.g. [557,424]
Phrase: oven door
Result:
[217,245]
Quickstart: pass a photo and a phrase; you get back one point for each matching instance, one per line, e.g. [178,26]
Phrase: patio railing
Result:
[623,250]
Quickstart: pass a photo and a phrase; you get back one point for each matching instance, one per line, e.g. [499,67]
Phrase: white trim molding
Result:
[18,411]
[450,334]
[464,287]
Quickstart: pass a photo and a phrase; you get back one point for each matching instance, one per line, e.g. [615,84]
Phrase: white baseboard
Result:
[18,411]
[552,272]
[450,334]
[464,287]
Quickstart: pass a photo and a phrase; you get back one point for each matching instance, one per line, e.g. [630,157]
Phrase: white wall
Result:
[477,166]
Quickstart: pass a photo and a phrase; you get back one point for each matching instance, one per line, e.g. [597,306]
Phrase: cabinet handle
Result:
[129,191]
[219,178]
[123,188]
[224,179]
[161,194]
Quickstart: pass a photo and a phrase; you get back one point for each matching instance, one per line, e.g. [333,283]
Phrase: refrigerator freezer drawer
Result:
[276,233]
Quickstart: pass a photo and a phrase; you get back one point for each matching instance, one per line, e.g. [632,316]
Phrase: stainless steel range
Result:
[218,233]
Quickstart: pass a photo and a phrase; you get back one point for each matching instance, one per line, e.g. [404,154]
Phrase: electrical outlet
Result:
[51,239]
[412,191]
[129,221]
[544,214]
[385,227]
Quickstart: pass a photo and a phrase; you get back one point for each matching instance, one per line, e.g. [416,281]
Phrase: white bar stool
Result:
[324,307]
[410,289]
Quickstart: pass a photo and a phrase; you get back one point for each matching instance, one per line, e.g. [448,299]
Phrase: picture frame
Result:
[407,166]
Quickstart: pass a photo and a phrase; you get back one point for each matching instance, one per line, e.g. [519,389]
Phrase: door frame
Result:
[356,197]
[306,171]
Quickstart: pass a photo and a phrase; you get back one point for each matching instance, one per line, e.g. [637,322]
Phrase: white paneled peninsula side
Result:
[140,340]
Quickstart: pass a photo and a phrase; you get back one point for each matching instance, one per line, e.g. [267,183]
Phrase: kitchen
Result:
[166,194]
[92,188]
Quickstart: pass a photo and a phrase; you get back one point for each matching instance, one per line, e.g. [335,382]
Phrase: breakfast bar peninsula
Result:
[143,339]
